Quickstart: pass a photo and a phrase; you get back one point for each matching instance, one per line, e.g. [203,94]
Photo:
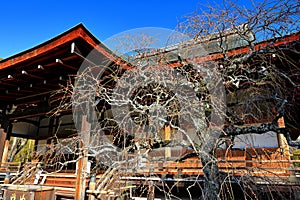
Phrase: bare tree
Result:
[236,71]
[257,78]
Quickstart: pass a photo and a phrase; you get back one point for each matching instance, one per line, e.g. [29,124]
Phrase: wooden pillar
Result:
[83,161]
[4,144]
[282,140]
[51,129]
[167,138]
[36,142]
[5,151]
[5,131]
[49,140]
[167,132]
[92,186]
[7,178]
[151,191]
[284,145]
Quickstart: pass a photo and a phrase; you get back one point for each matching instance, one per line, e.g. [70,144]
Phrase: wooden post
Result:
[92,186]
[167,138]
[49,140]
[7,178]
[36,141]
[151,191]
[4,144]
[167,132]
[5,152]
[82,162]
[51,129]
[78,191]
[282,140]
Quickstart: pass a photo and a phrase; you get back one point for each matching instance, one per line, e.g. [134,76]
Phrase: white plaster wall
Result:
[266,140]
[24,128]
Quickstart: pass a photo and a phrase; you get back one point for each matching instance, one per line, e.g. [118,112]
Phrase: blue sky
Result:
[25,24]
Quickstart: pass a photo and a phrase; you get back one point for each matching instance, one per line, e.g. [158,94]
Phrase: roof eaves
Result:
[77,31]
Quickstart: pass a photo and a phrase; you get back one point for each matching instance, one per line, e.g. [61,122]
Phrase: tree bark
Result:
[210,166]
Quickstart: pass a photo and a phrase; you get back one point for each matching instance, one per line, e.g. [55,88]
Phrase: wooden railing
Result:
[12,167]
[263,162]
[247,162]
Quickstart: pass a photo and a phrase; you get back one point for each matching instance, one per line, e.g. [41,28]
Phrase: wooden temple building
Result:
[32,87]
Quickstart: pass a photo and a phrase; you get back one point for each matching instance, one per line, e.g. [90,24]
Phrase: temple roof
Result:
[45,67]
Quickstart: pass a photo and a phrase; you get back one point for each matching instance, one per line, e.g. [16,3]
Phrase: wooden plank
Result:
[66,65]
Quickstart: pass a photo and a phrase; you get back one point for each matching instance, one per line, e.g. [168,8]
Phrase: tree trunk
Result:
[211,174]
[210,166]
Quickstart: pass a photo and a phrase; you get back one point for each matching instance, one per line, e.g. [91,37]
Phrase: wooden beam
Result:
[73,57]
[40,67]
[65,65]
[31,75]
[38,114]
[84,58]
[35,95]
[74,49]
[33,122]
[3,82]
[7,98]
